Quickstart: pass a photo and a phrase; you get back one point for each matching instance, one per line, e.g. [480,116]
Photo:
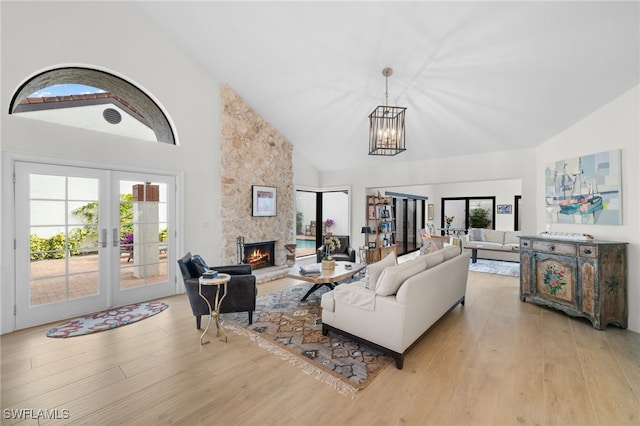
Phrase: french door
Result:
[89,239]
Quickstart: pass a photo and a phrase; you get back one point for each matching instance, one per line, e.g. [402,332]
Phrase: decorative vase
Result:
[329,264]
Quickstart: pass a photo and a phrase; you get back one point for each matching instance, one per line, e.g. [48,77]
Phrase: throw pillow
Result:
[428,246]
[476,234]
[375,269]
[393,276]
[438,242]
[200,264]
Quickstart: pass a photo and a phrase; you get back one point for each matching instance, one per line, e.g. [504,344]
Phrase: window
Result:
[469,212]
[319,213]
[94,100]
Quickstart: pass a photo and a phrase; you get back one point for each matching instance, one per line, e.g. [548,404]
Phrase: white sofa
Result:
[492,244]
[402,302]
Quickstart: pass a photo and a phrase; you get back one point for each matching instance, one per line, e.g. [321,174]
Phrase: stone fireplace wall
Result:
[253,152]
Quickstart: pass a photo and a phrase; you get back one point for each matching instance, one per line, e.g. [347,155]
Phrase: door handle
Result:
[103,243]
[115,237]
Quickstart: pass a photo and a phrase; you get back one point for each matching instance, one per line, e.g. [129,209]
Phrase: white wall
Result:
[429,175]
[614,126]
[136,51]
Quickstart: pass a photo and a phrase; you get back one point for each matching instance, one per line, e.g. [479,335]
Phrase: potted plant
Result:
[479,218]
[330,244]
[328,224]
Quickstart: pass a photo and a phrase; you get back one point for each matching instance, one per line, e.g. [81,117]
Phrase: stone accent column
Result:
[253,152]
[146,235]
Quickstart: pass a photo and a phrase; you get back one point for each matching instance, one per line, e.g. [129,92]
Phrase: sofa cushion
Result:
[476,234]
[392,277]
[356,295]
[434,259]
[482,244]
[450,252]
[493,236]
[511,237]
[375,269]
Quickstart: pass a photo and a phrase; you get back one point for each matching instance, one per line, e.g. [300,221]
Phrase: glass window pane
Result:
[481,213]
[335,208]
[454,210]
[47,212]
[48,290]
[83,189]
[306,226]
[46,187]
[83,285]
[82,212]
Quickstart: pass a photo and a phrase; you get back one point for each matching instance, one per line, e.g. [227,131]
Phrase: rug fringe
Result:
[307,367]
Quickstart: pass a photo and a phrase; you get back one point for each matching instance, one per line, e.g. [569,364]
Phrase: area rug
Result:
[498,267]
[293,330]
[106,320]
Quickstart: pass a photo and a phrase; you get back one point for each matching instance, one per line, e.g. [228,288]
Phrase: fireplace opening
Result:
[259,255]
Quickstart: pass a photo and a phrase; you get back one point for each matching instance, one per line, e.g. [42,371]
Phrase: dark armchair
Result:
[345,253]
[241,289]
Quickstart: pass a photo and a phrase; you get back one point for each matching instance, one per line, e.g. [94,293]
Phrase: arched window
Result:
[92,99]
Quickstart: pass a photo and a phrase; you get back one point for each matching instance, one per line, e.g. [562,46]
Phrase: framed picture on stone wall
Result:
[263,200]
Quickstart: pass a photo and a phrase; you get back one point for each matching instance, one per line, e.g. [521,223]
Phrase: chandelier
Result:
[386,126]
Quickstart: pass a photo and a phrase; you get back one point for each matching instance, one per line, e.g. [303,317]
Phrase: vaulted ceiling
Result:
[475,76]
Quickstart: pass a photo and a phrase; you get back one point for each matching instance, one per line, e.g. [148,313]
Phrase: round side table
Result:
[220,281]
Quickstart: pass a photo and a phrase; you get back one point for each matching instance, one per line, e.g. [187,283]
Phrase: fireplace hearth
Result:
[259,255]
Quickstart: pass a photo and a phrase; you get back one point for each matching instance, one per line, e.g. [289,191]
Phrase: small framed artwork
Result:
[263,200]
[372,212]
[372,244]
[430,212]
[504,209]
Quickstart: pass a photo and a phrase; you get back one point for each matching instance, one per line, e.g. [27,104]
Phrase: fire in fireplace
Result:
[259,255]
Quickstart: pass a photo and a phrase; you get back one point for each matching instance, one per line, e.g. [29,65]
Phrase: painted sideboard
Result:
[581,278]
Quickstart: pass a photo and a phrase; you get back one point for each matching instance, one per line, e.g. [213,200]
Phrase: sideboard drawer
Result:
[555,247]
[587,251]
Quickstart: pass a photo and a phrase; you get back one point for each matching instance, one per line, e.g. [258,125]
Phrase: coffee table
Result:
[330,278]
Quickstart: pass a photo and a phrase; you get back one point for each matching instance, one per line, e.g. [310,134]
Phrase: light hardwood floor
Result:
[495,361]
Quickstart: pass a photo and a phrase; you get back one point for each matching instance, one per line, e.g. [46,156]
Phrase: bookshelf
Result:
[380,218]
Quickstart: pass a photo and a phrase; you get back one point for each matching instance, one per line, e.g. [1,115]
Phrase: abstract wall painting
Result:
[585,190]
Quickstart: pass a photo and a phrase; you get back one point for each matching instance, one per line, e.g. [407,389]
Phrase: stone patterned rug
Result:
[498,267]
[293,329]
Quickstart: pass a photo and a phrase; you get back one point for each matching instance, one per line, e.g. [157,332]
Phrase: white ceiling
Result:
[475,76]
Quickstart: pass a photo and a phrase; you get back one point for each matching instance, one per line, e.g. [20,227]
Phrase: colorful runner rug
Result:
[293,329]
[106,320]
